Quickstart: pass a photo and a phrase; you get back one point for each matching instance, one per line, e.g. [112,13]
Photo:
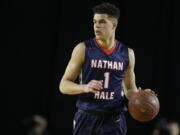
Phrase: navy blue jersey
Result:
[109,67]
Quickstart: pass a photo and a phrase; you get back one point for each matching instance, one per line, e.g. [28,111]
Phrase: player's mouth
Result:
[97,32]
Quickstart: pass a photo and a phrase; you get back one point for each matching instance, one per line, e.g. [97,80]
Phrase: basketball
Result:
[143,106]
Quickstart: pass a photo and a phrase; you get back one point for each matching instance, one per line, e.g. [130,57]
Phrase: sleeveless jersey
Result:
[106,66]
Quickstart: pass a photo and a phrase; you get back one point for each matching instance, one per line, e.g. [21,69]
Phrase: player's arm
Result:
[73,69]
[129,80]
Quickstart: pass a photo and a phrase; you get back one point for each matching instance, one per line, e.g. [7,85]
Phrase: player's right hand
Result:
[93,86]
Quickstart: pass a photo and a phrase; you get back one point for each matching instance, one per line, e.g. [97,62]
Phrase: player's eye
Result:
[102,21]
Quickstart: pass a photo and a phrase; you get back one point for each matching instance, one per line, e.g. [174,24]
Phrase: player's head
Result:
[105,20]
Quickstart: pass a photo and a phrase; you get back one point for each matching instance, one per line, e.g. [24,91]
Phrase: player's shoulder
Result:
[78,52]
[130,51]
[122,44]
[131,54]
[80,45]
[84,44]
[79,48]
[127,47]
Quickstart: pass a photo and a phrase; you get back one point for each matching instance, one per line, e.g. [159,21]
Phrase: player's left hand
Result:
[139,88]
[151,91]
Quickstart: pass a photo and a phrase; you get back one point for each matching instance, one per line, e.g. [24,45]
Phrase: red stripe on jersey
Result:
[107,51]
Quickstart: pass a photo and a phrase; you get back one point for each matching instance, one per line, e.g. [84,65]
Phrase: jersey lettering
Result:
[105,95]
[105,64]
[106,80]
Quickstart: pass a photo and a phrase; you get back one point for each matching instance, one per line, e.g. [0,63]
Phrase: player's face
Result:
[104,26]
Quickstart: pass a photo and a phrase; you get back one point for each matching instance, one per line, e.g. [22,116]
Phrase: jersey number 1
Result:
[106,80]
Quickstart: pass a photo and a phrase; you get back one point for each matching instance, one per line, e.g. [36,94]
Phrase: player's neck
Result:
[107,43]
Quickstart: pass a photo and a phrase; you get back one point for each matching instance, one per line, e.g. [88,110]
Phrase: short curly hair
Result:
[107,8]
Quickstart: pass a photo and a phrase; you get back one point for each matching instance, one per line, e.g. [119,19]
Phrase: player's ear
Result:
[114,24]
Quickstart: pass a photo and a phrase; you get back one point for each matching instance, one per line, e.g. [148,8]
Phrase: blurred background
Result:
[37,41]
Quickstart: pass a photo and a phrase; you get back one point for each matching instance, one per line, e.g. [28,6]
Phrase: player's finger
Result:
[100,83]
[95,86]
[96,83]
[148,90]
[151,91]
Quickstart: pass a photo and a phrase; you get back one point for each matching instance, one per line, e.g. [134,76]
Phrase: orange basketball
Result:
[143,106]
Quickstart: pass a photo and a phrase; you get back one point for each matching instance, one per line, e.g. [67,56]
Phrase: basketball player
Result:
[106,69]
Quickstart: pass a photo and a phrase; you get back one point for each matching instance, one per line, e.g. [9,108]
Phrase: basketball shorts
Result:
[86,123]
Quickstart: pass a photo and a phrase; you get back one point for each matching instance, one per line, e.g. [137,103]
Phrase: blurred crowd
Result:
[35,125]
[166,127]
